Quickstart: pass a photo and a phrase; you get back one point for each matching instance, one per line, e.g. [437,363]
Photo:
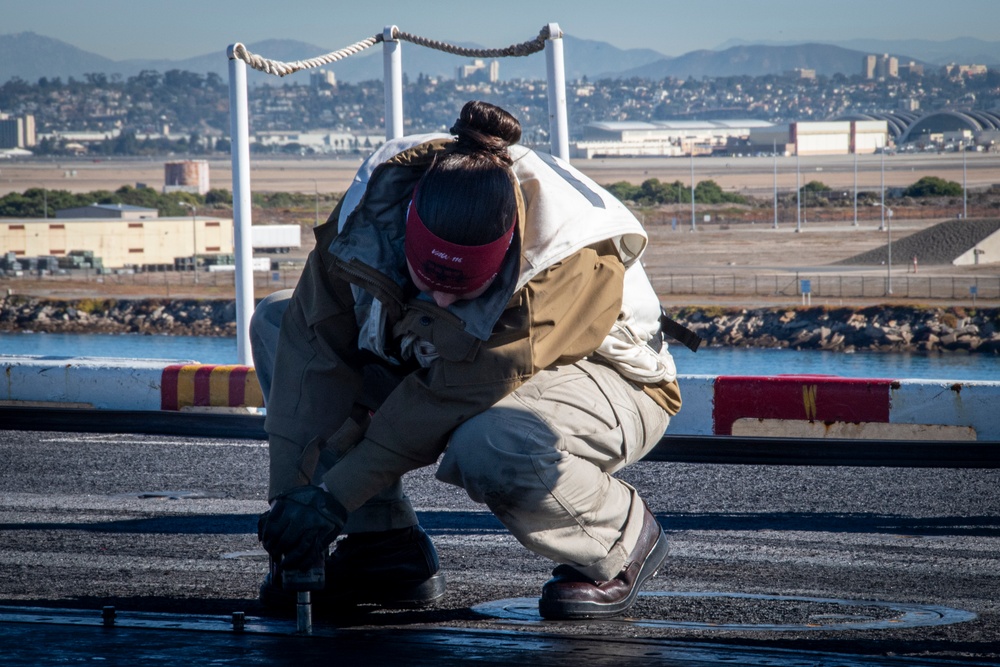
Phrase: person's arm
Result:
[561,316]
[318,330]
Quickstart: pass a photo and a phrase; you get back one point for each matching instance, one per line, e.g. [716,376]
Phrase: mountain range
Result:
[30,56]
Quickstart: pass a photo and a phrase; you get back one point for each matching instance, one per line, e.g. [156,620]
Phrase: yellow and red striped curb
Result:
[204,385]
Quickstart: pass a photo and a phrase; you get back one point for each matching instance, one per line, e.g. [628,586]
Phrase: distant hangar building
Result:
[117,240]
[660,138]
[897,122]
[839,137]
[821,138]
[982,126]
[749,136]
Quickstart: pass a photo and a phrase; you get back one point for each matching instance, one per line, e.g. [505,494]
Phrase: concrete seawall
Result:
[778,406]
[803,406]
[875,328]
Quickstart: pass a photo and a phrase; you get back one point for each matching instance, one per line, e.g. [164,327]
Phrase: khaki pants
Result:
[542,459]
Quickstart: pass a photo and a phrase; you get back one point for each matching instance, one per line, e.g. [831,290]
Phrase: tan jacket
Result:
[562,314]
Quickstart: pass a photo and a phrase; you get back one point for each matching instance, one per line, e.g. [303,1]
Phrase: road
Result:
[769,565]
[749,175]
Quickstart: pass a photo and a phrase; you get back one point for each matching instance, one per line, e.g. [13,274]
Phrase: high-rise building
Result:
[17,132]
[911,69]
[479,71]
[868,66]
[880,67]
[323,79]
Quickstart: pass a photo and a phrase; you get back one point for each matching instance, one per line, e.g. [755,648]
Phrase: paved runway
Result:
[769,565]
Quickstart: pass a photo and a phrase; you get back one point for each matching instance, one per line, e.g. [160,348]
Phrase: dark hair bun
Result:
[486,128]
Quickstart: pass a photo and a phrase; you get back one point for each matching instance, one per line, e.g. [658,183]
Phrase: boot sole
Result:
[574,610]
[413,596]
[423,594]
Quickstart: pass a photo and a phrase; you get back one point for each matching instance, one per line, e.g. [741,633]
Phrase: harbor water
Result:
[707,361]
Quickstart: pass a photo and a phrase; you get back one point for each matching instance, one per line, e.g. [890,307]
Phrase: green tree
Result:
[815,186]
[217,197]
[624,190]
[932,186]
[653,192]
[710,192]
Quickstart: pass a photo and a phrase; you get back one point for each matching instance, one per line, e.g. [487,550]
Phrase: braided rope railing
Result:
[280,68]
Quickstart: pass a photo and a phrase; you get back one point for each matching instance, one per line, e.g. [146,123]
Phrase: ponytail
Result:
[467,196]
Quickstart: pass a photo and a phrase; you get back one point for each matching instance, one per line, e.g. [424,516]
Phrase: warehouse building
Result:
[660,138]
[862,137]
[119,242]
[839,137]
[678,138]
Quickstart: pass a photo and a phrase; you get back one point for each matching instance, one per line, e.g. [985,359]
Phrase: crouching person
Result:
[481,306]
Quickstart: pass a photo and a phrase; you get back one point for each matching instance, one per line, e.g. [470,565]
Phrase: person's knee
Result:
[495,456]
[270,310]
[264,326]
[480,444]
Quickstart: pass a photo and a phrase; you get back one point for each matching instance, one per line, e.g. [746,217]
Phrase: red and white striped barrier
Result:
[813,406]
[831,406]
[127,384]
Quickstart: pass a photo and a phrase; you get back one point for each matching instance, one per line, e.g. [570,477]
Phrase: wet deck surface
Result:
[769,565]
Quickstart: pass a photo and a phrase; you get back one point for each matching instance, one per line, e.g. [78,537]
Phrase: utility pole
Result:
[316,188]
[965,189]
[194,240]
[855,186]
[693,226]
[798,191]
[774,154]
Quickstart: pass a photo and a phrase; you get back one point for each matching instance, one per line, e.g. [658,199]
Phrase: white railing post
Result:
[558,123]
[240,147]
[392,66]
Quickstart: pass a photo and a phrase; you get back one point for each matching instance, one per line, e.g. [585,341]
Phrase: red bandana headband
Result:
[449,267]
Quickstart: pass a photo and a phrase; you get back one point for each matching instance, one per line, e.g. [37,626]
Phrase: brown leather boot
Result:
[569,595]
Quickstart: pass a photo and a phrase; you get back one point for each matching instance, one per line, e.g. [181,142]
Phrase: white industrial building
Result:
[822,138]
[118,241]
[677,138]
[839,137]
[663,138]
[320,141]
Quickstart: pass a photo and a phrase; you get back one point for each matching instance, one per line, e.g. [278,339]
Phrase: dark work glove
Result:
[301,525]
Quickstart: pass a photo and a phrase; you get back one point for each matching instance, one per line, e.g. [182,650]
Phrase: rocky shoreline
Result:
[874,328]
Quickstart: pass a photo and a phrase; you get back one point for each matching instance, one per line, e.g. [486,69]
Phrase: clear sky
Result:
[126,29]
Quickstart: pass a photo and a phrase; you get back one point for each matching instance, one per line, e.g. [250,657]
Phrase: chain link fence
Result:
[819,285]
[838,286]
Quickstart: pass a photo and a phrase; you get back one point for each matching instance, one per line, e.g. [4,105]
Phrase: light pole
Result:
[692,186]
[194,240]
[316,188]
[855,186]
[887,216]
[774,155]
[881,227]
[798,191]
[965,190]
